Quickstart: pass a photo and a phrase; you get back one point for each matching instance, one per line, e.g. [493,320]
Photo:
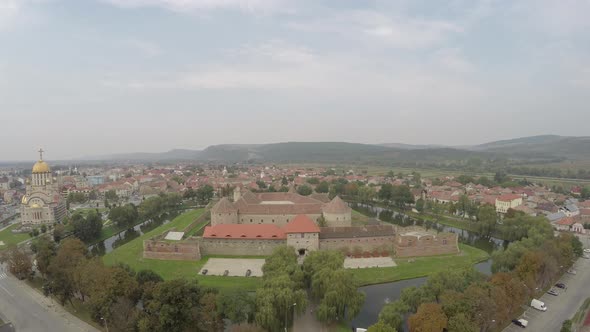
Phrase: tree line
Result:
[466,300]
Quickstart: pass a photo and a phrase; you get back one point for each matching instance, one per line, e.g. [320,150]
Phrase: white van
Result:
[539,305]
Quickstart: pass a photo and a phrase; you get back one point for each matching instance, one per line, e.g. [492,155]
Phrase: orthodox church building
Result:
[42,203]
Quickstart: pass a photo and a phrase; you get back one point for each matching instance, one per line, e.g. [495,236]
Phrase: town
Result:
[218,223]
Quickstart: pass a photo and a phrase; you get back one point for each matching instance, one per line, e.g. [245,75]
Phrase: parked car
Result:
[204,272]
[520,322]
[225,273]
[539,305]
[552,292]
[587,251]
[560,285]
[571,271]
[248,272]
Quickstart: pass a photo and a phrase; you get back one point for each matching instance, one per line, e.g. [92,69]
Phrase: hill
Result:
[548,146]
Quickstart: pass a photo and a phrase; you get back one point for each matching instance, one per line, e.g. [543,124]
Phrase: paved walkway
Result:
[236,267]
[30,311]
[362,263]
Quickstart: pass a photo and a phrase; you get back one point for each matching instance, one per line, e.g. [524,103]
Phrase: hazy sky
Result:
[88,77]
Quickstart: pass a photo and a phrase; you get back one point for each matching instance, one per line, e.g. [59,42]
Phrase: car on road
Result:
[248,272]
[204,272]
[552,292]
[587,250]
[539,305]
[560,285]
[520,322]
[571,271]
[225,273]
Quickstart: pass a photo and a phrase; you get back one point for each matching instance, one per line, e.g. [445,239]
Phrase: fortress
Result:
[255,224]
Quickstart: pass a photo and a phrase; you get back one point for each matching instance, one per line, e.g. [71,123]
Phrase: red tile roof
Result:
[240,231]
[301,224]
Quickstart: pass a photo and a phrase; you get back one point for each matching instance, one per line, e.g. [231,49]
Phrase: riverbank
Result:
[410,268]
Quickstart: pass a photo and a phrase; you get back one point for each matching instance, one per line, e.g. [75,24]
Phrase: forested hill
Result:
[545,145]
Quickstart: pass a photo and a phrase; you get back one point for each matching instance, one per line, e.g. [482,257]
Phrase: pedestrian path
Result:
[2,275]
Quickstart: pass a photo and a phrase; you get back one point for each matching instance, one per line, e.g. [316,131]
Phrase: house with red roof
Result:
[507,201]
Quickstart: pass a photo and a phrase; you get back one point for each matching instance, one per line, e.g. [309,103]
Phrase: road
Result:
[561,307]
[29,310]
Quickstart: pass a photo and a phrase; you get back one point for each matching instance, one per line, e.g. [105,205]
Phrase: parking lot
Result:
[236,267]
[560,307]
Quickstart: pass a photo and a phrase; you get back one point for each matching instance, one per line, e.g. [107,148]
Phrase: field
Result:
[131,254]
[358,218]
[421,266]
[11,239]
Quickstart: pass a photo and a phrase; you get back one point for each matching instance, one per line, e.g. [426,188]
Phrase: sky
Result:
[94,77]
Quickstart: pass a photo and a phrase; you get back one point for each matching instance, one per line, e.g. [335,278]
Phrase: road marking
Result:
[6,290]
[2,275]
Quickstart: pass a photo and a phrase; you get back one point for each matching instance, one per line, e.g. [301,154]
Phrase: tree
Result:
[45,251]
[111,195]
[501,177]
[341,299]
[123,315]
[277,300]
[304,190]
[313,180]
[239,307]
[366,194]
[284,181]
[323,187]
[566,326]
[461,322]
[402,196]
[486,220]
[413,297]
[429,318]
[87,228]
[386,192]
[61,268]
[145,276]
[19,263]
[124,216]
[463,204]
[393,313]
[58,232]
[173,306]
[420,205]
[205,194]
[380,326]
[209,317]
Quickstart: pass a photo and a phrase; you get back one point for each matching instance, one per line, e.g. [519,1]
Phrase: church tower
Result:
[42,203]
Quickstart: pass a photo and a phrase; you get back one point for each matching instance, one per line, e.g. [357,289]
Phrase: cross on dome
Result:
[40,154]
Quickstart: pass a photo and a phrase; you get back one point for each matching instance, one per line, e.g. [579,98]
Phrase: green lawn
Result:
[131,253]
[11,239]
[358,218]
[421,267]
[197,229]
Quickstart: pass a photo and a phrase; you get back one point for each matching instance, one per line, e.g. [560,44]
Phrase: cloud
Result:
[395,30]
[195,5]
[149,49]
[295,70]
[8,11]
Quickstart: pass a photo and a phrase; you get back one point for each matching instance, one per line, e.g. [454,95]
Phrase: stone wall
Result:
[224,218]
[427,245]
[162,249]
[273,219]
[366,244]
[308,242]
[239,246]
[338,219]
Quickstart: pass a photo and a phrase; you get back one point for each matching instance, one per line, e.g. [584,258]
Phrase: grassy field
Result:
[131,254]
[11,239]
[421,266]
[358,218]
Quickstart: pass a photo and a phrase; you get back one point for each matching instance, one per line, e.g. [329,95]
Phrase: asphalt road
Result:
[561,307]
[29,310]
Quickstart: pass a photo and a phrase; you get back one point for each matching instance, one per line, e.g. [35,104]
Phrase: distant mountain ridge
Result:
[534,147]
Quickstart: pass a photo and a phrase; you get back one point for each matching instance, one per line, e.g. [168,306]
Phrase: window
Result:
[444,241]
[302,235]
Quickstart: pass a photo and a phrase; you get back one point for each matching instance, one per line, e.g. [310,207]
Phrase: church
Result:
[42,204]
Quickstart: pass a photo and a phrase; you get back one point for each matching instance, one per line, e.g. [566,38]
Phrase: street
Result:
[29,310]
[561,307]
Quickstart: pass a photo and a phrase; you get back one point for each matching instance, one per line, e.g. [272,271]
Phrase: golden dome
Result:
[35,206]
[41,167]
